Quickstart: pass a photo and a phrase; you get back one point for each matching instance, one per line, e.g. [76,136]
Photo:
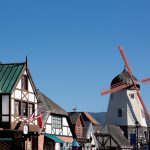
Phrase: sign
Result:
[25,129]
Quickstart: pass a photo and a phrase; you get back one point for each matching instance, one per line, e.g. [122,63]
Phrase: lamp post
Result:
[137,132]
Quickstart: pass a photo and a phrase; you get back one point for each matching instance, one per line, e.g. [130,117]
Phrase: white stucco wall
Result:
[131,109]
[65,127]
[25,95]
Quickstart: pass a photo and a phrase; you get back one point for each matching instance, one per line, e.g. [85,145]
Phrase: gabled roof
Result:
[116,133]
[46,103]
[47,106]
[85,116]
[94,122]
[9,74]
[74,116]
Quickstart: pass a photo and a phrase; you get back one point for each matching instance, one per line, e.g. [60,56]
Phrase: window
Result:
[132,96]
[24,108]
[21,108]
[56,122]
[119,112]
[111,96]
[17,108]
[31,109]
[24,82]
[78,130]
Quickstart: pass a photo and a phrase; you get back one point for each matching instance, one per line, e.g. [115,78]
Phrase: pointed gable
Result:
[9,74]
[88,117]
[74,116]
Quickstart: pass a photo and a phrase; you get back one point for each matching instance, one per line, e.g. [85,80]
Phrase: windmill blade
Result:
[123,86]
[143,105]
[146,80]
[134,82]
[125,60]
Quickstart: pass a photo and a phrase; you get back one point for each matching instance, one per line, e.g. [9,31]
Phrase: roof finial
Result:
[74,109]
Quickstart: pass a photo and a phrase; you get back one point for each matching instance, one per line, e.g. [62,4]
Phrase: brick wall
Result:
[40,142]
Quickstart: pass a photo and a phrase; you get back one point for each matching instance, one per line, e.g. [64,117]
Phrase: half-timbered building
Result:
[56,127]
[18,100]
[84,126]
[111,137]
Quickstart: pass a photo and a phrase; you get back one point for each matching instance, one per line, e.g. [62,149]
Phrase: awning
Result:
[66,139]
[53,137]
[5,139]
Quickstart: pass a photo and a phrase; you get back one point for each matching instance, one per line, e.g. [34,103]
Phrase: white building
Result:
[125,109]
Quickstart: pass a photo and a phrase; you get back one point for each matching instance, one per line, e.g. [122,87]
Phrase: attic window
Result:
[24,82]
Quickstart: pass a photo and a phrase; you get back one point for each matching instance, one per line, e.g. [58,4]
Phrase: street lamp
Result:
[137,131]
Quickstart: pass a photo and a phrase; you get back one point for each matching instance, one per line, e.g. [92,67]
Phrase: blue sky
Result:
[72,46]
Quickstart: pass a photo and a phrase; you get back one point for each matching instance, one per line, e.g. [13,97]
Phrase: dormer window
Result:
[24,82]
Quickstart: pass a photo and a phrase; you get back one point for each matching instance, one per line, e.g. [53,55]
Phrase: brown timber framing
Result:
[24,94]
[106,140]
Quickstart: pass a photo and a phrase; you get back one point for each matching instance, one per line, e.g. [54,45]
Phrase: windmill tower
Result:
[126,106]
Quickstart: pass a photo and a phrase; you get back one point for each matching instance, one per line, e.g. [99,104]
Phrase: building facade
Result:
[56,128]
[125,110]
[18,100]
[85,126]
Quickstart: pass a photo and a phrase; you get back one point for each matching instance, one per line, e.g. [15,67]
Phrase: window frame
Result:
[26,108]
[30,104]
[79,130]
[18,107]
[56,122]
[24,82]
[132,96]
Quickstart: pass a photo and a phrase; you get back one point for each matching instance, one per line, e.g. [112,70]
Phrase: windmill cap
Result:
[124,78]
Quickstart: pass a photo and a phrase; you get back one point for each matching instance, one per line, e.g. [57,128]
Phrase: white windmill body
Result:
[124,107]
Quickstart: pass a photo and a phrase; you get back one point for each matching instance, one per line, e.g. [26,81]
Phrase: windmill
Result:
[120,86]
